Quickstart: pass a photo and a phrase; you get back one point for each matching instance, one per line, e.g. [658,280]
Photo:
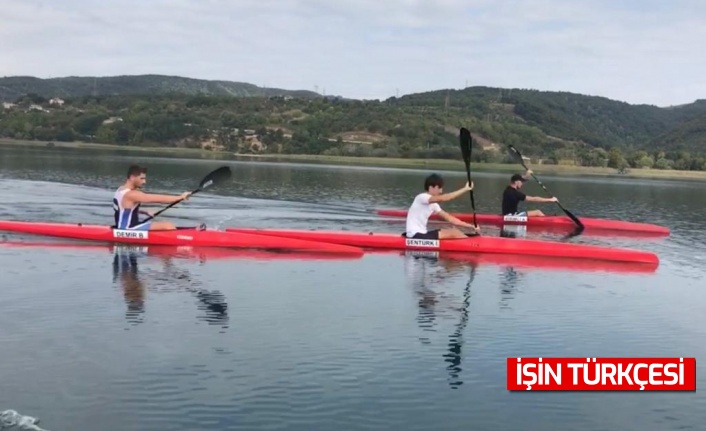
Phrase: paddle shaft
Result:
[212,179]
[568,213]
[167,207]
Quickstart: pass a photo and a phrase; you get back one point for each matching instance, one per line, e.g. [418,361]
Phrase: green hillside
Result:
[597,121]
[16,86]
[550,127]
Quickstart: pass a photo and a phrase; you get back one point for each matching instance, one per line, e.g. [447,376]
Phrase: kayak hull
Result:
[181,237]
[592,225]
[478,244]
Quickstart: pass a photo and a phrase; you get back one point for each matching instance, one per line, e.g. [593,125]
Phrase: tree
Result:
[645,162]
[663,163]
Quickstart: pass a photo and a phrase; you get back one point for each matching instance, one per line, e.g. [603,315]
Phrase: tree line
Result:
[418,126]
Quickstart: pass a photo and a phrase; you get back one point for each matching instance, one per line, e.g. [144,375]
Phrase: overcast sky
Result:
[638,51]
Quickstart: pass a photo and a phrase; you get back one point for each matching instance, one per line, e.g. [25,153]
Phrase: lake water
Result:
[254,342]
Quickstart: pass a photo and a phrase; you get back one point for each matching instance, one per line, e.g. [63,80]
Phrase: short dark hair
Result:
[433,180]
[136,170]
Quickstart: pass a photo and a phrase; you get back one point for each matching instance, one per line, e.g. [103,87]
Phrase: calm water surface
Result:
[97,337]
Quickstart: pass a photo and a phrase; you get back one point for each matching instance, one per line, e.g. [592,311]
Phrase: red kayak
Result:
[478,244]
[592,225]
[181,251]
[183,236]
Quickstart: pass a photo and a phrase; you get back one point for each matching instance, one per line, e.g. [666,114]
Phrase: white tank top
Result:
[124,217]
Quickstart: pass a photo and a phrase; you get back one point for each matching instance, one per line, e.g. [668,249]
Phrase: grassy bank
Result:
[444,164]
[94,146]
[431,164]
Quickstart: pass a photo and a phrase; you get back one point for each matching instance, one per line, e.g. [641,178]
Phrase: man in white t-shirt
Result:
[425,204]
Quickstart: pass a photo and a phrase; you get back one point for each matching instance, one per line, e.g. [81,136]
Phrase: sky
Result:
[637,51]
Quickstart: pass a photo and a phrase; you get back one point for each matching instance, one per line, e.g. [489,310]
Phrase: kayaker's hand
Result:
[528,173]
[469,186]
[553,199]
[184,196]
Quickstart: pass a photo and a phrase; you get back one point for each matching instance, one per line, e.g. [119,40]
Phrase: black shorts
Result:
[431,234]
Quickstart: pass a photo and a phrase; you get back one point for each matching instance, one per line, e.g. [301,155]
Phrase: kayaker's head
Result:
[517,181]
[434,184]
[137,176]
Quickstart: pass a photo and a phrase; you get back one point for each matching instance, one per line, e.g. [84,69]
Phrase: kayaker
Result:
[512,196]
[128,198]
[427,203]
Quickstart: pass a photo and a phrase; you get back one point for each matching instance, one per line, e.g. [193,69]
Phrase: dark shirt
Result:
[511,198]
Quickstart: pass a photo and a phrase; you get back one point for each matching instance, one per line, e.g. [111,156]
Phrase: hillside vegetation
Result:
[70,87]
[550,127]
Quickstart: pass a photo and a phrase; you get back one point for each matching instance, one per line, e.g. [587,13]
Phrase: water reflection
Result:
[513,231]
[509,280]
[429,275]
[453,357]
[170,278]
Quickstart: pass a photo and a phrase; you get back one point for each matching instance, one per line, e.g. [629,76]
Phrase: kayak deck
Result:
[182,236]
[477,244]
[592,225]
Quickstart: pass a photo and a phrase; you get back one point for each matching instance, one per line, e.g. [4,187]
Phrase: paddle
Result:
[214,178]
[568,213]
[466,142]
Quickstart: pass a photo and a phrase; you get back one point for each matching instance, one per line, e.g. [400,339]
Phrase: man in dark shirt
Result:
[512,197]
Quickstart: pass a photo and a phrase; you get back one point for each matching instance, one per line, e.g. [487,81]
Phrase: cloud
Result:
[636,51]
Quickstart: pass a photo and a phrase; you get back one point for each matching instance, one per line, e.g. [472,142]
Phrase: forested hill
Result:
[73,86]
[597,121]
[550,127]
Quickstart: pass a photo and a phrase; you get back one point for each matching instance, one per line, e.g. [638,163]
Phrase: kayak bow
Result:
[477,244]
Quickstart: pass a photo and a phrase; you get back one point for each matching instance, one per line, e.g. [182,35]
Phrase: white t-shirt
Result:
[419,213]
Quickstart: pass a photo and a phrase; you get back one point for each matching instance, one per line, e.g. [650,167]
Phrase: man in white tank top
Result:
[425,204]
[128,198]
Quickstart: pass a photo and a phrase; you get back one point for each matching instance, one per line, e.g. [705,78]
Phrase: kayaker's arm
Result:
[455,221]
[149,198]
[540,199]
[451,196]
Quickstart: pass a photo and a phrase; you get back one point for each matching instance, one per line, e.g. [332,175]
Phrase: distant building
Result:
[34,107]
[56,101]
[8,105]
[112,120]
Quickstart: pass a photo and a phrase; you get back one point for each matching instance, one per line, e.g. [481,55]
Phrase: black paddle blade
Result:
[573,218]
[216,177]
[519,156]
[466,141]
[576,232]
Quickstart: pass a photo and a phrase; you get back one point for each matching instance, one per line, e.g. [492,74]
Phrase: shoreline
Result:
[383,162]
